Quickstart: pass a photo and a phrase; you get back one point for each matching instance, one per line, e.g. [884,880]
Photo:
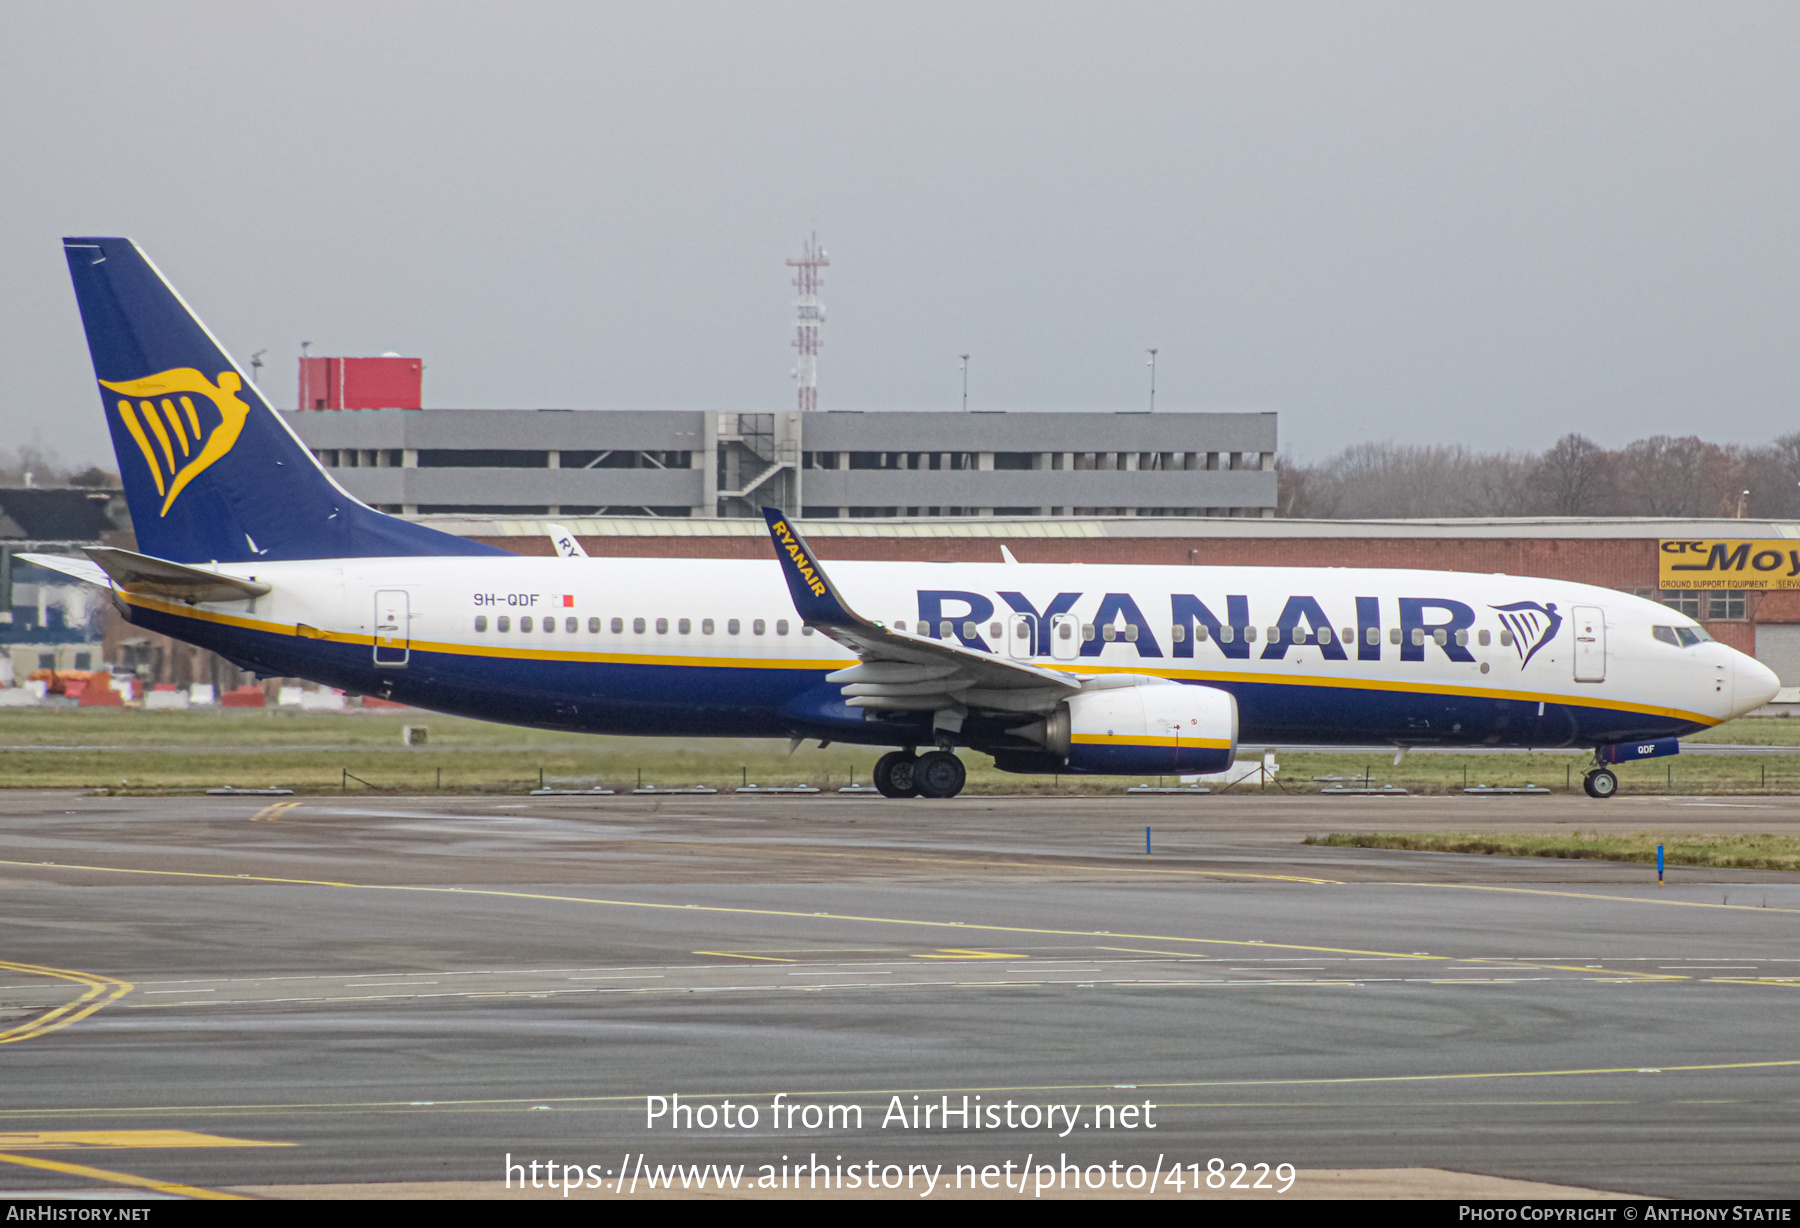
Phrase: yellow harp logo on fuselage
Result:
[187,439]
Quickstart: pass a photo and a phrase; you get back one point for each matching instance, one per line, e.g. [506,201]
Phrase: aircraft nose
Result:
[1753,684]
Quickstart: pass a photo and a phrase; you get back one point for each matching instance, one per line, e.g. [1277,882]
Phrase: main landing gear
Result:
[1600,782]
[901,773]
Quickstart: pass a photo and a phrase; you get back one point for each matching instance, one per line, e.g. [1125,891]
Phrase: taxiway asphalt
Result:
[410,989]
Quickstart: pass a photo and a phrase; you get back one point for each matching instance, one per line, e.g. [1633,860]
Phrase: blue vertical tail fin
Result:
[211,472]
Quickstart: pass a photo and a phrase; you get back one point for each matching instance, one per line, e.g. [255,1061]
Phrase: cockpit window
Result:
[1666,635]
[1680,637]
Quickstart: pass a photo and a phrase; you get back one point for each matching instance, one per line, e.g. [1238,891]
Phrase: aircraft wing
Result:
[141,573]
[900,671]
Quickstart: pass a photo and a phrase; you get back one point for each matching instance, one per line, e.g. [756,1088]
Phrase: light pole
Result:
[965,375]
[1152,354]
[256,365]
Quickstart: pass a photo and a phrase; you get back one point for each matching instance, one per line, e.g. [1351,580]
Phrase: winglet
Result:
[816,599]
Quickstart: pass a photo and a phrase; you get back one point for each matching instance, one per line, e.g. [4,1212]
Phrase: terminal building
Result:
[693,464]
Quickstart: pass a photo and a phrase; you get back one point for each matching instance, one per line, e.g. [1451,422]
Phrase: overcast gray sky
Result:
[1478,223]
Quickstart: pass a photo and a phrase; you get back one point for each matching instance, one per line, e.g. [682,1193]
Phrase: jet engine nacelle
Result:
[1155,728]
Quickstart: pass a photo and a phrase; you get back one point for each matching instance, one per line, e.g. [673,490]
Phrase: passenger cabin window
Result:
[781,626]
[549,625]
[684,626]
[1131,632]
[618,625]
[1323,635]
[481,623]
[994,630]
[593,626]
[503,623]
[1087,631]
[571,625]
[1199,633]
[1506,639]
[1177,633]
[1394,635]
[1227,633]
[1374,636]
[1249,635]
[706,626]
[757,627]
[637,625]
[1275,636]
[1484,637]
[1109,633]
[525,622]
[804,630]
[732,626]
[662,626]
[899,624]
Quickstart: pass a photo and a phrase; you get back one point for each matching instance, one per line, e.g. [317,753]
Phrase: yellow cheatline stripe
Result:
[59,1140]
[831,663]
[143,443]
[480,650]
[1375,684]
[102,1174]
[101,991]
[1109,739]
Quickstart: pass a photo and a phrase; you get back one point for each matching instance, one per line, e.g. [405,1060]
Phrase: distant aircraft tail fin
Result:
[211,472]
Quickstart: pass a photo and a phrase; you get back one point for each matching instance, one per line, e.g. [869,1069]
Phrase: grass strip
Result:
[1733,852]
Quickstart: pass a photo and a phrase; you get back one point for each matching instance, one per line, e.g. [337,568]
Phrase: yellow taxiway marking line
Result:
[1785,982]
[1595,895]
[273,813]
[973,861]
[958,953]
[870,920]
[909,922]
[734,955]
[102,1174]
[59,1140]
[101,990]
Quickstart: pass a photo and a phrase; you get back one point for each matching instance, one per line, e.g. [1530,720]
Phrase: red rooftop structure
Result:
[362,383]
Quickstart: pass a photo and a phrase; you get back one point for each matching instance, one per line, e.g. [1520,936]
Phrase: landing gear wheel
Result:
[940,774]
[897,774]
[1600,783]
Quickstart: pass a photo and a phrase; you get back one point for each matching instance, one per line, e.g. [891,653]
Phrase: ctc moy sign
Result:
[1728,563]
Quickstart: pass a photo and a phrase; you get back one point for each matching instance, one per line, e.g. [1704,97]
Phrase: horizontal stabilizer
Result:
[140,573]
[81,569]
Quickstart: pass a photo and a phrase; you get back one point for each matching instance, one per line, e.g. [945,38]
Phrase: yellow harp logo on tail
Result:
[188,437]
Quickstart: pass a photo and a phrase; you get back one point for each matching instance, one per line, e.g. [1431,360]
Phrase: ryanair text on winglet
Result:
[801,562]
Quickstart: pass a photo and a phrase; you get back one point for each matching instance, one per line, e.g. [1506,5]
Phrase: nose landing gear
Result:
[1600,783]
[901,773]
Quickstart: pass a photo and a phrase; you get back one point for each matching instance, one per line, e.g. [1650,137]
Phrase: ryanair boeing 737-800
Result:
[247,547]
